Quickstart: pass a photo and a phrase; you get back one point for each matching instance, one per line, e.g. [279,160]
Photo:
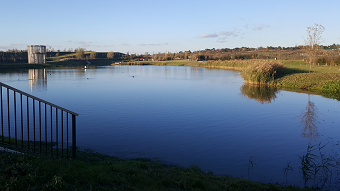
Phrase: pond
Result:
[190,116]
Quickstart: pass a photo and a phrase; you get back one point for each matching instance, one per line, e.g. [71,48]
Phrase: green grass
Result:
[23,65]
[93,171]
[58,58]
[294,76]
[227,64]
[297,66]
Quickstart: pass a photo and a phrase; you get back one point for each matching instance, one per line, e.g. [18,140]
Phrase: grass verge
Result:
[93,171]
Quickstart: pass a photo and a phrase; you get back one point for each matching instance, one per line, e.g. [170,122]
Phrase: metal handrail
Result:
[35,126]
[38,99]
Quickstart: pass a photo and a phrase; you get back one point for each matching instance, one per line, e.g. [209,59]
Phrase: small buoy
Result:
[133,76]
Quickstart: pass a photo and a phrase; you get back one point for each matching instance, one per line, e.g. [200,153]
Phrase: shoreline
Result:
[295,75]
[97,171]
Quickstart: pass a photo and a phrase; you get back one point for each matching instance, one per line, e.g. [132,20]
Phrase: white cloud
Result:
[246,26]
[211,35]
[223,35]
[233,33]
[222,40]
[83,43]
[142,44]
[125,44]
[261,27]
[13,46]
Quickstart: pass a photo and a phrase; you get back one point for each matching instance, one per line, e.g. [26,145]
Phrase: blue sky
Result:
[159,26]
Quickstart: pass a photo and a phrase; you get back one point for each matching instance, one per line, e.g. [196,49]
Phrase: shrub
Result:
[262,72]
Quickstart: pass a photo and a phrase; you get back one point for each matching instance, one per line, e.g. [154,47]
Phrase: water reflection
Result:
[308,121]
[262,94]
[37,78]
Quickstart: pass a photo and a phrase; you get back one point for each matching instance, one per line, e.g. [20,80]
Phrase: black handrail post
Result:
[67,134]
[9,121]
[2,117]
[73,136]
[45,128]
[33,125]
[28,125]
[62,134]
[40,125]
[15,119]
[51,131]
[22,123]
[56,127]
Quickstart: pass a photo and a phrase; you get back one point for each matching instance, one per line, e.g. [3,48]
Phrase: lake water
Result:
[188,115]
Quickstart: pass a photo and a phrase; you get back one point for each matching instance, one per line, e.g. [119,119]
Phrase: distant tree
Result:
[93,55]
[146,56]
[186,55]
[80,52]
[165,56]
[313,42]
[110,55]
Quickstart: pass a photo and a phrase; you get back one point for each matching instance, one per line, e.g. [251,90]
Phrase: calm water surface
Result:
[188,115]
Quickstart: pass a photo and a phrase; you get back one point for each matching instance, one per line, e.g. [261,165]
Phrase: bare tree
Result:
[309,121]
[313,42]
[80,52]
[93,55]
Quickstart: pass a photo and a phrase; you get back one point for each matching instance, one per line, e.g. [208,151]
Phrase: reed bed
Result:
[262,71]
[228,64]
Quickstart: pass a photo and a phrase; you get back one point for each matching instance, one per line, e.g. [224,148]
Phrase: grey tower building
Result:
[36,54]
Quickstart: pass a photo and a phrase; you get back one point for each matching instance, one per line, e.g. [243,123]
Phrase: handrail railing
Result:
[42,121]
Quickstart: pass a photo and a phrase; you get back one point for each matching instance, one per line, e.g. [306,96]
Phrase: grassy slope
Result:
[93,171]
[57,63]
[296,73]
[322,80]
[297,76]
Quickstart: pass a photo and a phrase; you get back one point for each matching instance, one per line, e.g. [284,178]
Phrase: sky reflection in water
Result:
[188,115]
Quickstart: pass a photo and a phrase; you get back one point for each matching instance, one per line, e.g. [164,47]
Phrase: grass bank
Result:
[93,171]
[291,75]
[294,76]
[23,65]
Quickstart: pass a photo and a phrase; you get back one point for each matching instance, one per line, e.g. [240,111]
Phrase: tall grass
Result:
[228,64]
[262,72]
[318,169]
